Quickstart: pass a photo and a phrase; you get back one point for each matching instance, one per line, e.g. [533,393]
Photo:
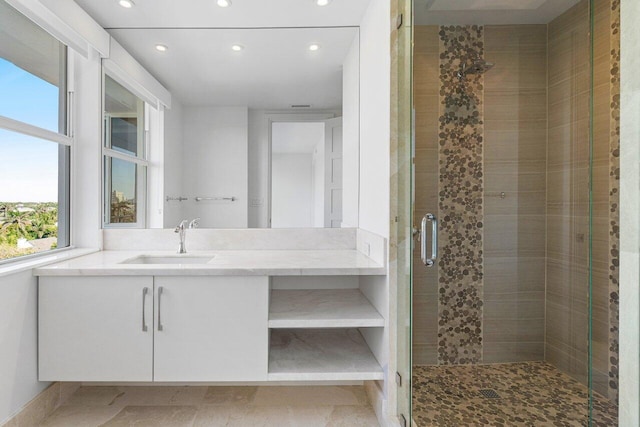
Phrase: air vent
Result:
[301,106]
[489,394]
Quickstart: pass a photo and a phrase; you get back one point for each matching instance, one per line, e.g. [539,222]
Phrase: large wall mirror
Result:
[263,130]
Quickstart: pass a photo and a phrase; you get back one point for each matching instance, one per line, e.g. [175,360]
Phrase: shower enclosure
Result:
[516,136]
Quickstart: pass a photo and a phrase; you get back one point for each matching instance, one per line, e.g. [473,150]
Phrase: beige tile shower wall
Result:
[567,192]
[540,85]
[568,198]
[426,101]
[515,163]
[515,106]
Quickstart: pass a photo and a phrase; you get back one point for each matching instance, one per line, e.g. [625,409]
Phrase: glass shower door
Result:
[401,158]
[516,142]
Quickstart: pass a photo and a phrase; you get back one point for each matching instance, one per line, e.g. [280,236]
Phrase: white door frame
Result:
[311,117]
[329,139]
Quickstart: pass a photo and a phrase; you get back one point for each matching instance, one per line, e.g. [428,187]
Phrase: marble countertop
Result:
[223,263]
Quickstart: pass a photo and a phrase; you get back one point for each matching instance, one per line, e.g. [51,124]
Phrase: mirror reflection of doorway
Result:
[306,174]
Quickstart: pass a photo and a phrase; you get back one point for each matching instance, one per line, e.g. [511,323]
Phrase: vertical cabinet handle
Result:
[429,261]
[160,289]
[145,291]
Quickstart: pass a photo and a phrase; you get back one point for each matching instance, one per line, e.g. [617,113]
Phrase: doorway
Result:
[306,174]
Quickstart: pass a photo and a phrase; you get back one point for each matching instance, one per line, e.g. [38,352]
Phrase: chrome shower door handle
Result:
[160,327]
[429,261]
[423,241]
[434,237]
[145,291]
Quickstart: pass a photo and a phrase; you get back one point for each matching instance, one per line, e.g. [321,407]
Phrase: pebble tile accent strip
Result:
[614,201]
[461,131]
[531,394]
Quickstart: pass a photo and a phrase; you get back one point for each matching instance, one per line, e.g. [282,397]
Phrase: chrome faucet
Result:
[182,230]
[195,223]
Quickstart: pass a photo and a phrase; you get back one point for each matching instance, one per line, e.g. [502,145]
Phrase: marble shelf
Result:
[321,355]
[322,308]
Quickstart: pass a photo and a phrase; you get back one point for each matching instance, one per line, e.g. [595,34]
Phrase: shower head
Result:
[478,66]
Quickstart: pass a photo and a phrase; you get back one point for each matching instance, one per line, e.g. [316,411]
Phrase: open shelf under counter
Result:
[321,355]
[322,308]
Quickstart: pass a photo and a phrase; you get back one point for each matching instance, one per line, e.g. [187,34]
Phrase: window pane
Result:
[124,119]
[32,72]
[33,195]
[124,135]
[122,186]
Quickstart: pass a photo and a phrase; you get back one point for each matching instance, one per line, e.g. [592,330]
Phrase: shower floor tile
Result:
[528,394]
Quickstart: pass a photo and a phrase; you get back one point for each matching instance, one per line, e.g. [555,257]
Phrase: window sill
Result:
[38,260]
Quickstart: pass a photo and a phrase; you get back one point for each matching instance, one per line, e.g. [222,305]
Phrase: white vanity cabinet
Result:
[121,328]
[91,329]
[211,328]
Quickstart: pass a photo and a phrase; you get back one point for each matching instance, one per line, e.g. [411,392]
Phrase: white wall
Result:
[292,190]
[375,86]
[215,165]
[351,134]
[374,208]
[155,171]
[86,216]
[258,168]
[629,222]
[318,192]
[173,149]
[18,343]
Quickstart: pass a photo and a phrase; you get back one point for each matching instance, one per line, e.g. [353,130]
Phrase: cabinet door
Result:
[91,329]
[211,328]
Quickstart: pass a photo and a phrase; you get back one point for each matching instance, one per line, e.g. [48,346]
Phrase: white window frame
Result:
[142,162]
[66,139]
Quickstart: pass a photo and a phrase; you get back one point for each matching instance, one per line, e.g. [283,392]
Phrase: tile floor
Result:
[279,406]
[531,394]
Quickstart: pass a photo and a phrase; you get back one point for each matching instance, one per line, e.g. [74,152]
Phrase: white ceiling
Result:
[296,137]
[242,13]
[275,70]
[489,12]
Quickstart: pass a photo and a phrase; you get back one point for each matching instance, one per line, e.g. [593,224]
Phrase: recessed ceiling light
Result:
[161,48]
[322,2]
[313,47]
[224,3]
[127,4]
[237,47]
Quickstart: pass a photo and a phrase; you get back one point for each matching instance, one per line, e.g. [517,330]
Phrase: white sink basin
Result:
[175,259]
